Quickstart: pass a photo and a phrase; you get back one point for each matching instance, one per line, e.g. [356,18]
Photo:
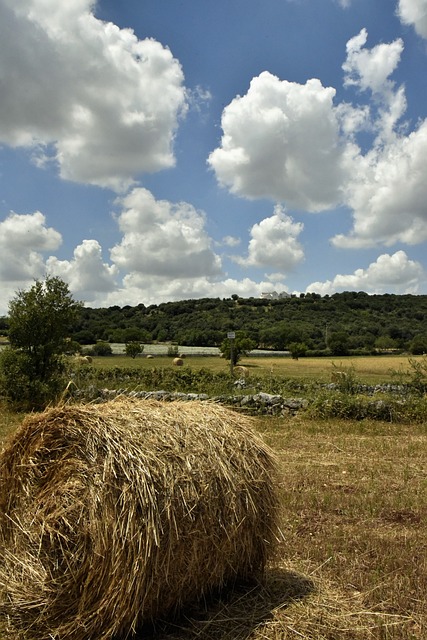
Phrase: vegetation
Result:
[101,348]
[134,349]
[32,367]
[351,564]
[342,323]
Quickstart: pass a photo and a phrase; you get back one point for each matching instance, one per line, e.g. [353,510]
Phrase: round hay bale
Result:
[114,514]
[81,360]
[150,356]
[240,372]
[178,362]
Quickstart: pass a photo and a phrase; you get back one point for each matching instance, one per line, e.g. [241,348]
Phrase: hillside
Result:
[342,322]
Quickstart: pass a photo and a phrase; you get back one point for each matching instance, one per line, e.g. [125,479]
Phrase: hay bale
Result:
[114,514]
[178,362]
[81,360]
[240,371]
[150,356]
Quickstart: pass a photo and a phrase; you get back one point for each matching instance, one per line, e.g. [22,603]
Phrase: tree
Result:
[133,349]
[102,348]
[40,321]
[297,349]
[239,345]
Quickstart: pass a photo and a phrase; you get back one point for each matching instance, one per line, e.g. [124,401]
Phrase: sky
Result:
[159,150]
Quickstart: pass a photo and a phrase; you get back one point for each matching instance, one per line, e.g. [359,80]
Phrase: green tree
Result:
[40,320]
[237,347]
[297,349]
[102,348]
[133,349]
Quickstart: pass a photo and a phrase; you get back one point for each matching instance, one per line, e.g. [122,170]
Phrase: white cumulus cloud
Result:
[161,238]
[24,238]
[86,274]
[274,243]
[371,68]
[291,143]
[388,195]
[282,141]
[85,94]
[414,12]
[388,274]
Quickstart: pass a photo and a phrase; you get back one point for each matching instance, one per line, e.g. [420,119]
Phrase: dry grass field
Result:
[352,563]
[369,369]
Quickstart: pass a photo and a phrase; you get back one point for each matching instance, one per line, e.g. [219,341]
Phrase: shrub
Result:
[102,349]
[133,349]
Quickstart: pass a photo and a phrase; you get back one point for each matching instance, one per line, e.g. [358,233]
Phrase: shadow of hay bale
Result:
[235,613]
[115,514]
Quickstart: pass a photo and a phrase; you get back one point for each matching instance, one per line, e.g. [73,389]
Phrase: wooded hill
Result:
[348,322]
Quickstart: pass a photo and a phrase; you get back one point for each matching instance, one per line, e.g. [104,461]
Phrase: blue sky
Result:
[159,150]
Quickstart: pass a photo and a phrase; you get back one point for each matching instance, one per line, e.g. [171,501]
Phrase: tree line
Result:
[343,323]
[340,324]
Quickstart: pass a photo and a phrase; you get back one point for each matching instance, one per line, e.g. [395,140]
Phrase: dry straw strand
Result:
[114,514]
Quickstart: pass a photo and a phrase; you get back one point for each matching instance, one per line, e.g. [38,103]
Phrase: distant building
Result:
[273,295]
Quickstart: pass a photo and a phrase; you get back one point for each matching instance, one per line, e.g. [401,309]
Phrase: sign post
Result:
[231,335]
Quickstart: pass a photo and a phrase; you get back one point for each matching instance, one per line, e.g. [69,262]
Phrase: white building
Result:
[273,295]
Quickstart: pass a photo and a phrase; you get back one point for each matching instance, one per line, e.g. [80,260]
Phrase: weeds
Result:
[415,378]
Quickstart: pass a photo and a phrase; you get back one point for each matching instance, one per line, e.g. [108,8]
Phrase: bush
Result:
[133,349]
[102,349]
[357,407]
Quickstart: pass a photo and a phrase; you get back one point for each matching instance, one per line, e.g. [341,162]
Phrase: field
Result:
[369,370]
[352,561]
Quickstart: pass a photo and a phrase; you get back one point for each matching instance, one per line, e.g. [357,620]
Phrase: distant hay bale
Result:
[182,355]
[178,362]
[114,514]
[240,371]
[81,360]
[150,356]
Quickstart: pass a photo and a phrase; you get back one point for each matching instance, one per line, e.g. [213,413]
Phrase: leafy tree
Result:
[297,349]
[102,348]
[40,320]
[133,349]
[237,347]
